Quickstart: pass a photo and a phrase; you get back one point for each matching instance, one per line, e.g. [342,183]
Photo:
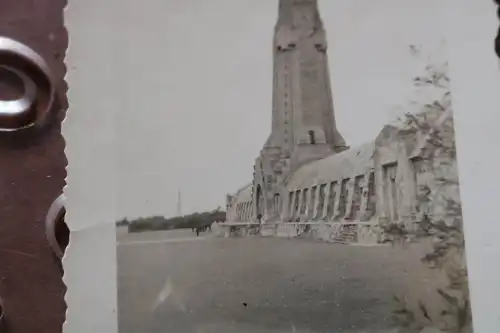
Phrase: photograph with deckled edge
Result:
[330,234]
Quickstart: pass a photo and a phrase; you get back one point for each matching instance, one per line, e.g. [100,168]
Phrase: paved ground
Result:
[252,284]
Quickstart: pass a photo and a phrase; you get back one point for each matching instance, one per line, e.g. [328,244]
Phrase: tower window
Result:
[291,45]
[312,138]
[320,47]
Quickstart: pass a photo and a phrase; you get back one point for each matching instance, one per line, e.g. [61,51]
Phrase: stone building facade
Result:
[307,178]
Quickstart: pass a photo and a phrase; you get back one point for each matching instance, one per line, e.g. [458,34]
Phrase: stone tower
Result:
[303,120]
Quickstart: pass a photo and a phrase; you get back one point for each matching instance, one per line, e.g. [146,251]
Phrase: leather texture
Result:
[32,175]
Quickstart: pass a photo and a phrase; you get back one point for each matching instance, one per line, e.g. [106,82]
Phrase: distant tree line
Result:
[178,222]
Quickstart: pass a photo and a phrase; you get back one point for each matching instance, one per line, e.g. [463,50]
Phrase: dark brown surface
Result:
[32,172]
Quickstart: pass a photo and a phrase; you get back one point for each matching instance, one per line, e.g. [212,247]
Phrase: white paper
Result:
[170,104]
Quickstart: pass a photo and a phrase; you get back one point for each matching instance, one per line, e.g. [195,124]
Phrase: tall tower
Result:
[179,203]
[303,120]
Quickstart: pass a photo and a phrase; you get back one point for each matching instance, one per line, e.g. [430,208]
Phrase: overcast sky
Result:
[199,89]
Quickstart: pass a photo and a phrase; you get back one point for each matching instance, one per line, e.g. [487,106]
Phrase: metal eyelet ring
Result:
[21,66]
[53,222]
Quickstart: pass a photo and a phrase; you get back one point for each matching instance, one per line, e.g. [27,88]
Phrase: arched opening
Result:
[276,204]
[259,203]
[312,138]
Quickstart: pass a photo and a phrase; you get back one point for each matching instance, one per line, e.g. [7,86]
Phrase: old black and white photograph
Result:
[288,166]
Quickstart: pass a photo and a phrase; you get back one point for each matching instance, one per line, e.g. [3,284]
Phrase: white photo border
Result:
[475,86]
[94,28]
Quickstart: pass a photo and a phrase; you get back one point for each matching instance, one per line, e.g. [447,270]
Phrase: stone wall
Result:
[345,233]
[398,178]
[333,189]
[239,206]
[416,173]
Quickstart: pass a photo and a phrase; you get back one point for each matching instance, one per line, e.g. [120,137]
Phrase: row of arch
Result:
[344,199]
[350,199]
[244,211]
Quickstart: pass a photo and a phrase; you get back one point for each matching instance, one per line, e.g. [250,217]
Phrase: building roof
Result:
[352,162]
[243,194]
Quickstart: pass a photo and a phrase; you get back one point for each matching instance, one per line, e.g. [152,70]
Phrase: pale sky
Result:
[199,90]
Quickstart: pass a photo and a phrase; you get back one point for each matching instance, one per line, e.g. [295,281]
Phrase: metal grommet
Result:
[22,67]
[56,229]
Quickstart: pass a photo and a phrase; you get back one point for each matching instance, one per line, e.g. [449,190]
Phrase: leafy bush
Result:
[195,220]
[123,222]
[444,232]
[448,256]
